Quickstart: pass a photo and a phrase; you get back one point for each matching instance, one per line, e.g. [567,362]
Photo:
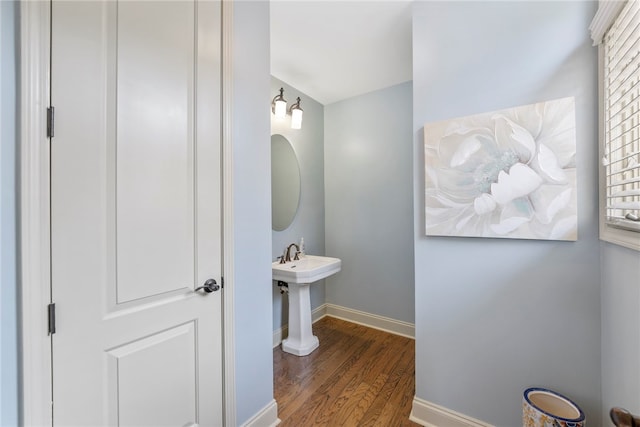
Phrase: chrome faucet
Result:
[287,256]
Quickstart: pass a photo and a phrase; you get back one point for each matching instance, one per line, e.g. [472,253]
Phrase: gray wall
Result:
[8,200]
[252,208]
[309,220]
[620,269]
[368,152]
[495,316]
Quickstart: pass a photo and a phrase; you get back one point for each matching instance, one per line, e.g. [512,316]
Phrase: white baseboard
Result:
[431,415]
[374,321]
[283,332]
[267,417]
[382,323]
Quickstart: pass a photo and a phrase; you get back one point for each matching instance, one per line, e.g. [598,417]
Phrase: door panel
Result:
[136,213]
[154,147]
[135,365]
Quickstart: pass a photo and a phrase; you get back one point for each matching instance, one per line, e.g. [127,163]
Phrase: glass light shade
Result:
[280,109]
[296,118]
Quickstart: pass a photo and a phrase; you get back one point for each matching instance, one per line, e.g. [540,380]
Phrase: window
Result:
[620,115]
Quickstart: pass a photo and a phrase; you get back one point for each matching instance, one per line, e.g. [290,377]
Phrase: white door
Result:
[135,207]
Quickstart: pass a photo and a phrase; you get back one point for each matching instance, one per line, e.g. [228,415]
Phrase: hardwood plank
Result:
[288,367]
[358,376]
[312,399]
[359,403]
[403,369]
[393,411]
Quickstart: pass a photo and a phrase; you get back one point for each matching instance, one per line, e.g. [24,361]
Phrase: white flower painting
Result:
[505,174]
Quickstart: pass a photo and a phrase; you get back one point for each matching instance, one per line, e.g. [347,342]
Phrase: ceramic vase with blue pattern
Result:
[546,408]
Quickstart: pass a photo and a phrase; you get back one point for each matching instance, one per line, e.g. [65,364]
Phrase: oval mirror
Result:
[285,183]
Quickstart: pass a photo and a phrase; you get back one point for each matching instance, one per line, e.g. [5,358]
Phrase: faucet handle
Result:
[281,259]
[296,257]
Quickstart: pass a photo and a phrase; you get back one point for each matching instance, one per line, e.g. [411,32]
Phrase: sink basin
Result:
[308,269]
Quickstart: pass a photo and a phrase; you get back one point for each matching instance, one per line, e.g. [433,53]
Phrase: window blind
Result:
[621,157]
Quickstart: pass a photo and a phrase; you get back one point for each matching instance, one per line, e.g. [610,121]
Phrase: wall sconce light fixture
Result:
[279,105]
[296,115]
[279,109]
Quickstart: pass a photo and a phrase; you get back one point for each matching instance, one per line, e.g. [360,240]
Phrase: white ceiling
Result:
[335,49]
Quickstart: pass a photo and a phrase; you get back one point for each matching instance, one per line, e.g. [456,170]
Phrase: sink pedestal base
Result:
[301,340]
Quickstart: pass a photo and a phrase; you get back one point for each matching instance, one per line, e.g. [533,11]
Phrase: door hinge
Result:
[50,124]
[51,309]
[222,282]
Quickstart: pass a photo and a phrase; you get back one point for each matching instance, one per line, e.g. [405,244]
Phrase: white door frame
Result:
[34,229]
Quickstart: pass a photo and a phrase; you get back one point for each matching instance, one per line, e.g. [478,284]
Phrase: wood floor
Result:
[357,377]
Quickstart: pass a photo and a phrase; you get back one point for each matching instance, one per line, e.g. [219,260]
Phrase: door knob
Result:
[209,286]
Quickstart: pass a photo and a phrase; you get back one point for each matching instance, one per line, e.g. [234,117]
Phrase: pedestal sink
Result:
[299,275]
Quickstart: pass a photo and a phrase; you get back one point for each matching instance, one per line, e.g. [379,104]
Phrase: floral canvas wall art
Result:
[503,174]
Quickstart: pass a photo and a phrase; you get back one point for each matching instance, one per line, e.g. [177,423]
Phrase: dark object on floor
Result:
[623,418]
